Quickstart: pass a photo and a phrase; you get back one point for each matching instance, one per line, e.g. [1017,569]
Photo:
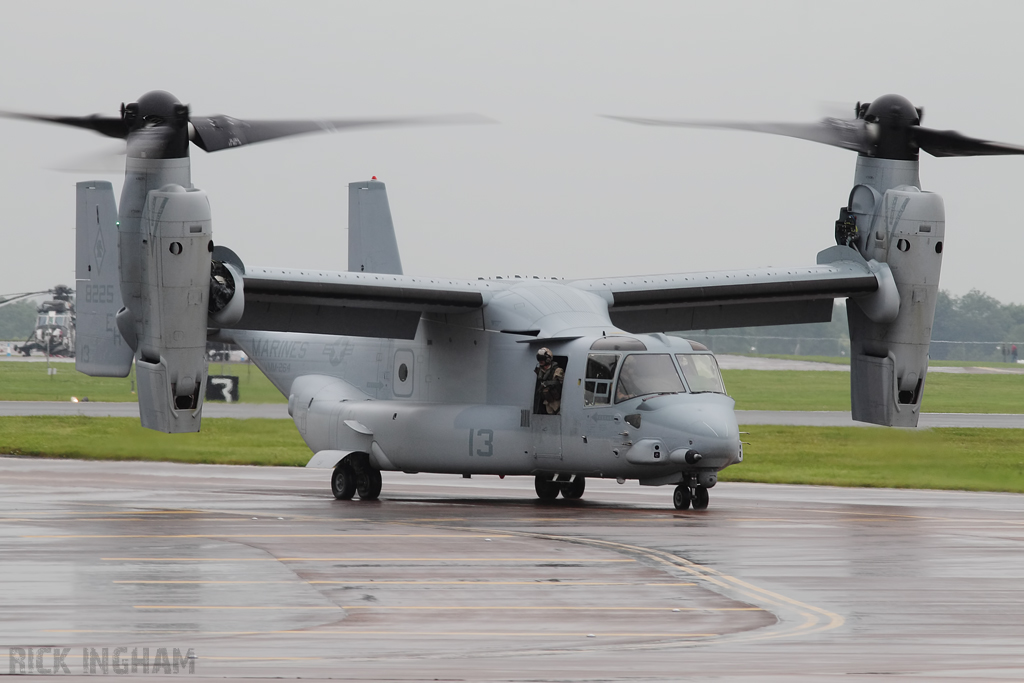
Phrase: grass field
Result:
[971,459]
[29,382]
[841,360]
[827,390]
[223,441]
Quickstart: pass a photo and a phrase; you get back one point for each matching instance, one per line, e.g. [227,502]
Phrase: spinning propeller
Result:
[888,128]
[158,126]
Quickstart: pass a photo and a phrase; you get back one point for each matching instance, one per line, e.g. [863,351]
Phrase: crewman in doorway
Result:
[549,382]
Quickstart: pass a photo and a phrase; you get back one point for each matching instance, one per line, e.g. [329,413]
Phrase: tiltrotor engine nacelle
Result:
[170,332]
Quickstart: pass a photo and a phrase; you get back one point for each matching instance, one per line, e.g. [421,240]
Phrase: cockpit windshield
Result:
[643,374]
[701,373]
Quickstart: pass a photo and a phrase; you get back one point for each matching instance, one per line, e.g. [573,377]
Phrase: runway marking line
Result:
[812,616]
[560,560]
[467,608]
[215,535]
[236,520]
[488,634]
[929,518]
[538,582]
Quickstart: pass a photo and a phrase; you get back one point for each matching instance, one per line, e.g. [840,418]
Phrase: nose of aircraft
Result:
[706,425]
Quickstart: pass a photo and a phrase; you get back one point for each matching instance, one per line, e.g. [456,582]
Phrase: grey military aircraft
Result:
[387,371]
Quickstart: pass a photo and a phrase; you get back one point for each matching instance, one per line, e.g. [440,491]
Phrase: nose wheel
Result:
[684,496]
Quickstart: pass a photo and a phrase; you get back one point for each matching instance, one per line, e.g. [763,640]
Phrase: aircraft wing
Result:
[358,304]
[736,298]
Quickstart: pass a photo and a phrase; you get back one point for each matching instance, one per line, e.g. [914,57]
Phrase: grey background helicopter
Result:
[54,333]
[386,371]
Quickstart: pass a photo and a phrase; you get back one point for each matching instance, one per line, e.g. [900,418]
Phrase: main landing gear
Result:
[570,488]
[350,478]
[684,496]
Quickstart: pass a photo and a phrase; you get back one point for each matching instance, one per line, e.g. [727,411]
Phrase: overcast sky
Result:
[553,189]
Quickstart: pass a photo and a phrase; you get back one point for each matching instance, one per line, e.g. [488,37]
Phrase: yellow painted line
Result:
[466,608]
[461,634]
[538,582]
[217,582]
[51,520]
[93,519]
[116,512]
[560,560]
[770,519]
[430,519]
[670,584]
[815,619]
[216,535]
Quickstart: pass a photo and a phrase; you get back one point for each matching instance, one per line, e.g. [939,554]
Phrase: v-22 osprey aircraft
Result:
[387,371]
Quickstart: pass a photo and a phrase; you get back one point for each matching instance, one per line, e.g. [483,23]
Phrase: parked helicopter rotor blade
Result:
[214,133]
[853,135]
[949,143]
[11,298]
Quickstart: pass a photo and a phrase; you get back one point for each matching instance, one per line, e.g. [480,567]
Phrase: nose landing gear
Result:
[684,496]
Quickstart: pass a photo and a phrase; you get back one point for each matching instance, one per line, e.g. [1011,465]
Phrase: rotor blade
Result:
[214,133]
[109,160]
[852,135]
[152,142]
[111,126]
[949,143]
[11,298]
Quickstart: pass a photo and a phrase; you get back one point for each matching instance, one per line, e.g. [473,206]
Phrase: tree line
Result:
[974,326]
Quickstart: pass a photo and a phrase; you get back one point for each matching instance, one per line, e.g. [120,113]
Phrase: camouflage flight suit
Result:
[550,387]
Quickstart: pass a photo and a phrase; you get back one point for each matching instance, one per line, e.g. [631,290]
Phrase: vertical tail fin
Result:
[100,349]
[372,247]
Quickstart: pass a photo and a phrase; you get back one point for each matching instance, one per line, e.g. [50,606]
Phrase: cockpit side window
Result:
[644,374]
[701,373]
[597,388]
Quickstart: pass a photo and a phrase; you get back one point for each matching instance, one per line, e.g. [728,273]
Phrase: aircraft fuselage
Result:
[463,400]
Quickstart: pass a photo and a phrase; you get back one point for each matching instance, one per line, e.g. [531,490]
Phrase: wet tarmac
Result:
[263,574]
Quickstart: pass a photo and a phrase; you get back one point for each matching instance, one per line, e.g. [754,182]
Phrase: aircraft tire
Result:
[369,484]
[573,490]
[681,497]
[701,498]
[343,482]
[546,489]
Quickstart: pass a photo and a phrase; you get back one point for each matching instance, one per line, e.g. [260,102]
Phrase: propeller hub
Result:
[891,120]
[157,126]
[893,111]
